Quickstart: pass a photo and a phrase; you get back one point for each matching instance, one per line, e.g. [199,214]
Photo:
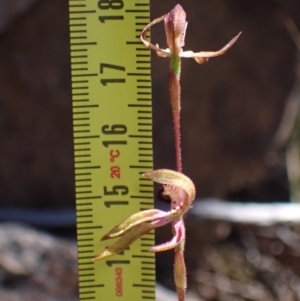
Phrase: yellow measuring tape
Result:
[112,121]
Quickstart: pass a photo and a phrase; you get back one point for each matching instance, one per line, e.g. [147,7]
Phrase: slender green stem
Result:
[175,91]
[176,65]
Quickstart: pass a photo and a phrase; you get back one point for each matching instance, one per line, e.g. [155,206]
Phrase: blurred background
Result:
[232,107]
[240,141]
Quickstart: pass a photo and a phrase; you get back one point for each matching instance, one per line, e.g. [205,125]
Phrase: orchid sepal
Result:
[125,241]
[135,220]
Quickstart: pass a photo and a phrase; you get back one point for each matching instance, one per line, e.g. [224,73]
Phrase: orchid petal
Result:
[125,241]
[203,56]
[147,43]
[178,237]
[134,220]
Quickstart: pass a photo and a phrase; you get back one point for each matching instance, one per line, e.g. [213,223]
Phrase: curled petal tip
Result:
[235,39]
[203,56]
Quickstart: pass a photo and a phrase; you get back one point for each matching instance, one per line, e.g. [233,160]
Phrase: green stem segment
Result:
[175,91]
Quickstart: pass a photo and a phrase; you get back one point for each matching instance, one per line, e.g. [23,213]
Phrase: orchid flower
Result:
[181,191]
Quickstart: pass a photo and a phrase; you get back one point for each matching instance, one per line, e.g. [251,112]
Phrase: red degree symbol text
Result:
[113,155]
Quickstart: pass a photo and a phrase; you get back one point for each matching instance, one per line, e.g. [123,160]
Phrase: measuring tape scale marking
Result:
[112,123]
